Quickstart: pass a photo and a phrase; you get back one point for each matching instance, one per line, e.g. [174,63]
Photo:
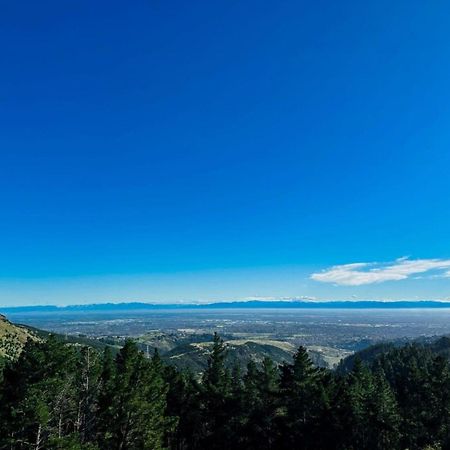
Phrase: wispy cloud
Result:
[358,274]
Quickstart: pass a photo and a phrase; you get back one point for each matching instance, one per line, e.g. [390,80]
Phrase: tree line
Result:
[59,396]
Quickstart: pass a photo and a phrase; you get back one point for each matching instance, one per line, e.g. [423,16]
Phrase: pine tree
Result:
[359,391]
[302,400]
[216,398]
[250,390]
[384,420]
[38,399]
[87,385]
[407,370]
[105,398]
[216,378]
[189,407]
[137,413]
[260,404]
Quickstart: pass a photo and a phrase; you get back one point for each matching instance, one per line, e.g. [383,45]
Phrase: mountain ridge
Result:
[257,304]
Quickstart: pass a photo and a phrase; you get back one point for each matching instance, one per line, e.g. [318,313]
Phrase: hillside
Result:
[194,356]
[438,346]
[12,338]
[185,351]
[402,402]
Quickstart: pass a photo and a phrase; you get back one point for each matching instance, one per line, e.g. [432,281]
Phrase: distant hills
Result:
[253,304]
[436,346]
[190,353]
[194,357]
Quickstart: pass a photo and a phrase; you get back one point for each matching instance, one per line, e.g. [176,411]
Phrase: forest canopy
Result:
[60,396]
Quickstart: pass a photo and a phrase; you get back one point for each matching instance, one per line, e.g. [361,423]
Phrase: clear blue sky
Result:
[209,150]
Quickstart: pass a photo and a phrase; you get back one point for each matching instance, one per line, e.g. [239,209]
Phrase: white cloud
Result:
[358,274]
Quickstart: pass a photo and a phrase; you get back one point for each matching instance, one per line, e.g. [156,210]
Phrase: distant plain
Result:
[330,333]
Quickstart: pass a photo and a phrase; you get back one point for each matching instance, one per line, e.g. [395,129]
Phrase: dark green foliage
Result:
[370,410]
[368,355]
[10,345]
[134,418]
[216,399]
[260,400]
[62,396]
[420,380]
[59,396]
[304,400]
[194,358]
[39,394]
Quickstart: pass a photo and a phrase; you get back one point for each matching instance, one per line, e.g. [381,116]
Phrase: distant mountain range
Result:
[252,304]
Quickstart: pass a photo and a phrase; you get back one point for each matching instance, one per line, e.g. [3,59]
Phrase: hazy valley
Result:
[183,336]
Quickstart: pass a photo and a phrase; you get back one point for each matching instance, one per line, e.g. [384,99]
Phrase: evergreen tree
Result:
[303,401]
[137,412]
[38,398]
[384,419]
[87,385]
[60,396]
[407,370]
[216,378]
[260,404]
[216,398]
[190,430]
[105,398]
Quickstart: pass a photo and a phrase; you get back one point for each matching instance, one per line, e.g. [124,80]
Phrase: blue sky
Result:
[175,151]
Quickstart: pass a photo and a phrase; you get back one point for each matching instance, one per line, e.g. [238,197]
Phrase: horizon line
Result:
[256,302]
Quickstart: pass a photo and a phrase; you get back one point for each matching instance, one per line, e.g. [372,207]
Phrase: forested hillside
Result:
[194,357]
[12,339]
[56,395]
